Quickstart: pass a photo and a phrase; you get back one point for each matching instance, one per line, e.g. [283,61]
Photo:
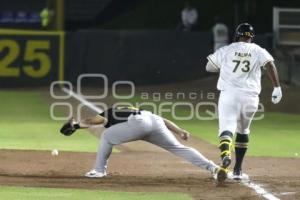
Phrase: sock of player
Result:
[241,146]
[225,143]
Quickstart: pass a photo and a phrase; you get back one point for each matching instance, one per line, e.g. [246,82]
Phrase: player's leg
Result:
[103,154]
[241,146]
[163,137]
[135,129]
[242,136]
[225,148]
[228,111]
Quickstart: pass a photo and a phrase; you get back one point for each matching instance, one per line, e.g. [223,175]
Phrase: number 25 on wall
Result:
[34,51]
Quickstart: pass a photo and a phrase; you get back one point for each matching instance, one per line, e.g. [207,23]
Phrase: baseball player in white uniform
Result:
[126,124]
[239,65]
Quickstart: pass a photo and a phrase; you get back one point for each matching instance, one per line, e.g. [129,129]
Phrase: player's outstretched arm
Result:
[71,126]
[176,129]
[273,75]
[92,121]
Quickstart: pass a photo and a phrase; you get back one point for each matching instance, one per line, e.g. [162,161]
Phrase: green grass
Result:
[26,124]
[24,193]
[276,135]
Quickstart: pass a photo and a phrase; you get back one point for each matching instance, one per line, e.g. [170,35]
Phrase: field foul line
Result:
[258,189]
[82,100]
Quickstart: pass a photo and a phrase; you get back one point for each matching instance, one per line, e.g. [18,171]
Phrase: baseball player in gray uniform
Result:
[239,65]
[126,124]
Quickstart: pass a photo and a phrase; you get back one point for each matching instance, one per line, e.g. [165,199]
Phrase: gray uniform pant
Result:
[151,128]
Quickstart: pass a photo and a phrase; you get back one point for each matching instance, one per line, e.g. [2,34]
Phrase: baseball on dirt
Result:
[54,152]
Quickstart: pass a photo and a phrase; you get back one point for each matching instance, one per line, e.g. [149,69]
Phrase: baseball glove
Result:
[68,128]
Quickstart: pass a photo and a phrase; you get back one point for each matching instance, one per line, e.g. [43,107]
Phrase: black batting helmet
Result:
[244,30]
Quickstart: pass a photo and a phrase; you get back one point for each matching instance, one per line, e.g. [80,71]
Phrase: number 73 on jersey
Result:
[244,65]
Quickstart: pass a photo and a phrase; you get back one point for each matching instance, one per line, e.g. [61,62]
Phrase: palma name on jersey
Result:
[242,54]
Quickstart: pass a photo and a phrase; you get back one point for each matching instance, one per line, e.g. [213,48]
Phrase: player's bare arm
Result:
[273,75]
[71,126]
[92,121]
[272,72]
[176,129]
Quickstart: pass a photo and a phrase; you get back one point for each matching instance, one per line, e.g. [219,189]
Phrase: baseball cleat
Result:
[237,175]
[94,174]
[226,161]
[221,174]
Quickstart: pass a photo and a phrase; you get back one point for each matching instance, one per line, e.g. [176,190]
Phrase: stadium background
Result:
[135,40]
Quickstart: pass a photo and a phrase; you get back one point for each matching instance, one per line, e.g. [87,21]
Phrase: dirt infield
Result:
[150,169]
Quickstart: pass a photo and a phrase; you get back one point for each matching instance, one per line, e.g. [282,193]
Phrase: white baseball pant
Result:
[236,111]
[151,128]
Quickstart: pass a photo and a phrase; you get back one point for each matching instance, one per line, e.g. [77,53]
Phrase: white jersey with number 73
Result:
[240,66]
